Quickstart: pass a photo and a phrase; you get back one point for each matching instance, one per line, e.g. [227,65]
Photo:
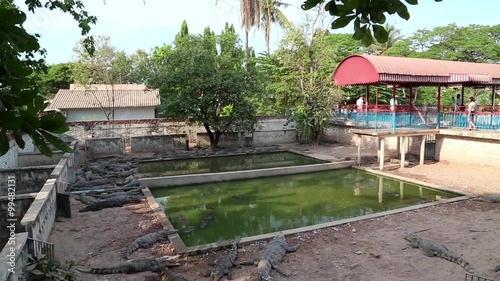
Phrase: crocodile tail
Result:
[107,270]
[264,268]
[463,263]
[130,249]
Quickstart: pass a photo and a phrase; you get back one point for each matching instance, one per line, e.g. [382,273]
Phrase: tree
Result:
[271,13]
[106,66]
[202,78]
[366,14]
[379,49]
[302,71]
[58,76]
[20,103]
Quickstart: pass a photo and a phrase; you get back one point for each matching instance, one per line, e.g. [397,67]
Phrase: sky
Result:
[138,25]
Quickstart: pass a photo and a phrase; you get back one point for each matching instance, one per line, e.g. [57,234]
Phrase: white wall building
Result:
[106,102]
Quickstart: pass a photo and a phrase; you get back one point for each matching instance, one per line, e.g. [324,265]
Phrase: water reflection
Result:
[259,206]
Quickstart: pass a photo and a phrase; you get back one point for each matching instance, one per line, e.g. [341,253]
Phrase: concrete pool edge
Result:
[414,181]
[181,248]
[180,180]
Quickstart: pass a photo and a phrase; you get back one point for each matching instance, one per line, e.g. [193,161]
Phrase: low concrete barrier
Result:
[238,175]
[28,179]
[38,159]
[13,258]
[104,146]
[229,139]
[158,144]
[40,217]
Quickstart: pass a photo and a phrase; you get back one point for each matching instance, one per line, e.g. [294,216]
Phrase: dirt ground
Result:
[371,249]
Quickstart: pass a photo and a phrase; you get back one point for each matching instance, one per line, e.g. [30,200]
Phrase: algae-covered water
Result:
[224,164]
[252,207]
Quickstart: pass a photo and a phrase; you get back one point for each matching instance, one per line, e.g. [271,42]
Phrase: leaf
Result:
[342,21]
[41,145]
[380,33]
[57,142]
[309,4]
[367,39]
[412,2]
[4,143]
[10,121]
[359,33]
[402,11]
[19,139]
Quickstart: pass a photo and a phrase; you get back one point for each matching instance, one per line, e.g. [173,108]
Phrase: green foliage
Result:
[202,78]
[21,105]
[366,14]
[44,268]
[53,78]
[299,76]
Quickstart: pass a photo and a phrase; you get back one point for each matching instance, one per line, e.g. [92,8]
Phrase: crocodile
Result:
[135,191]
[167,275]
[87,200]
[206,220]
[222,266]
[133,266]
[493,198]
[116,201]
[272,256]
[432,248]
[147,241]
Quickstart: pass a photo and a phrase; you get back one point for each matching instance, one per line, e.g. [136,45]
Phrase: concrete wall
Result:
[226,140]
[9,160]
[21,206]
[29,146]
[38,159]
[28,179]
[20,258]
[340,133]
[39,218]
[90,114]
[102,146]
[162,143]
[461,146]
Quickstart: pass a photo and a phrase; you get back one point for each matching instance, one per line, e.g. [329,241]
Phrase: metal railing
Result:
[36,248]
[470,277]
[417,117]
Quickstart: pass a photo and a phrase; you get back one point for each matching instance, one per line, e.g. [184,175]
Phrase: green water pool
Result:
[258,206]
[224,164]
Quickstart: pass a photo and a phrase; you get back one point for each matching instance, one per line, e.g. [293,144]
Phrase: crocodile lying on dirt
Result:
[494,198]
[223,265]
[271,257]
[167,275]
[147,241]
[135,191]
[133,266]
[116,201]
[432,248]
[87,200]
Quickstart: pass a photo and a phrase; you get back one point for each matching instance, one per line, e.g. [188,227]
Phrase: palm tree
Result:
[271,13]
[250,17]
[393,38]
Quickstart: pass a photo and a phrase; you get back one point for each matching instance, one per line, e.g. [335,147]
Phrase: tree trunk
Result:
[210,134]
[247,51]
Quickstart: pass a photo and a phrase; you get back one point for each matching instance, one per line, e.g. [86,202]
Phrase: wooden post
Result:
[382,156]
[403,151]
[360,138]
[401,190]
[422,150]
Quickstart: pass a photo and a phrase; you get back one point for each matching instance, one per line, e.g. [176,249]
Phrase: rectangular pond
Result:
[224,164]
[213,212]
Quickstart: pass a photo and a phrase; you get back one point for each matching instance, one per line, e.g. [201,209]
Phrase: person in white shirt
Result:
[393,102]
[471,112]
[360,104]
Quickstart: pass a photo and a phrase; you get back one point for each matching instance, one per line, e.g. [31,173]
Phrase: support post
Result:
[394,108]
[360,138]
[382,152]
[403,151]
[411,107]
[422,150]
[439,108]
[380,189]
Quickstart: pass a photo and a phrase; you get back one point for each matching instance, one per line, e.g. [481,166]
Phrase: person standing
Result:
[471,112]
[393,102]
[458,103]
[360,104]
